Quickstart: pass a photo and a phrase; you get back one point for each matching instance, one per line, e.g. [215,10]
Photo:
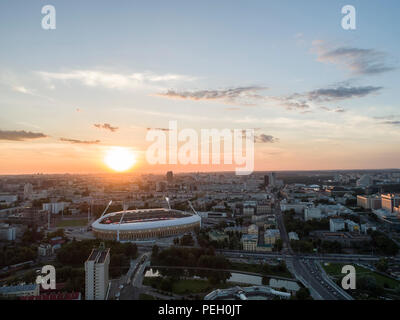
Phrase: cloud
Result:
[20,135]
[79,141]
[106,126]
[357,60]
[158,129]
[265,138]
[251,96]
[392,122]
[240,95]
[341,93]
[95,78]
[243,96]
[22,89]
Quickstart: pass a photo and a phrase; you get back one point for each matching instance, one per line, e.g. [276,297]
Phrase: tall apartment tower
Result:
[170,176]
[266,180]
[272,179]
[96,274]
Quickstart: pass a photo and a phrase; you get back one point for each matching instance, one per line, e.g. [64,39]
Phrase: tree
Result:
[278,245]
[303,294]
[154,251]
[382,265]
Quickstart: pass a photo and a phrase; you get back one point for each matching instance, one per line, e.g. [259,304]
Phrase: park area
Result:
[65,223]
[335,270]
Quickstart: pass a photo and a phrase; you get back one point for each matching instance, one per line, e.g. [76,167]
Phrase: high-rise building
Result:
[96,274]
[28,191]
[272,179]
[170,177]
[266,180]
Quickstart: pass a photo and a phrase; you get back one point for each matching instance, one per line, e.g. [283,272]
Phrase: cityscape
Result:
[207,236]
[199,151]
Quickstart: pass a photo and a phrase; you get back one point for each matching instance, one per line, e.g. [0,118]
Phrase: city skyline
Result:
[318,97]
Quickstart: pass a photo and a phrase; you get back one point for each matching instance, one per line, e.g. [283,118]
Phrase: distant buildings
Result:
[7,232]
[55,296]
[96,274]
[247,293]
[336,225]
[170,177]
[161,186]
[215,235]
[8,199]
[390,202]
[252,229]
[54,207]
[312,213]
[369,202]
[249,242]
[20,290]
[270,236]
[28,191]
[352,226]
[272,179]
[293,236]
[365,181]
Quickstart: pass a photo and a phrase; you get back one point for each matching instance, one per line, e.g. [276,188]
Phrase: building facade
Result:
[96,274]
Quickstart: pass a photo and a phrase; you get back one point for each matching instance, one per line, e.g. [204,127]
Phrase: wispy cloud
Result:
[158,129]
[357,60]
[106,126]
[340,93]
[112,80]
[239,95]
[243,96]
[20,135]
[253,96]
[265,138]
[24,90]
[79,141]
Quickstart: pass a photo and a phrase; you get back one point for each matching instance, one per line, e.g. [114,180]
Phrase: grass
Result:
[71,223]
[187,286]
[257,268]
[144,296]
[335,269]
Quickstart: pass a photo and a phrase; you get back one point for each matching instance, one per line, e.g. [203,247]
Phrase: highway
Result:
[306,270]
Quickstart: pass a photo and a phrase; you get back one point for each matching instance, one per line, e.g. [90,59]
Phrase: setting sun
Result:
[120,159]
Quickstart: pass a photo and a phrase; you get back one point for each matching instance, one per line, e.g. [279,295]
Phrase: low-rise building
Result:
[249,242]
[312,213]
[352,226]
[252,229]
[293,236]
[20,290]
[271,235]
[216,235]
[336,224]
[7,232]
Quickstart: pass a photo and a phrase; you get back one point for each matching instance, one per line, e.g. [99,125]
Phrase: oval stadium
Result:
[145,224]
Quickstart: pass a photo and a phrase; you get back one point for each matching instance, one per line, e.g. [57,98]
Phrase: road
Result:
[305,270]
[134,278]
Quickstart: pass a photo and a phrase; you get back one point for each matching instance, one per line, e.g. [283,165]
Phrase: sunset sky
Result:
[318,96]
